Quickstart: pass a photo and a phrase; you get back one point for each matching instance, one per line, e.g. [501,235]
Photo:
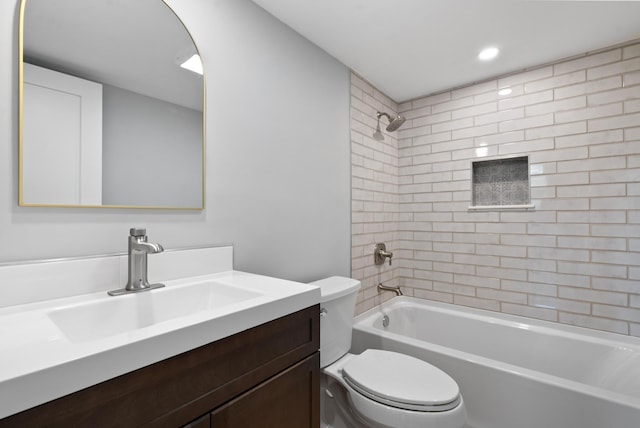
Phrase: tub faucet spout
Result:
[139,248]
[394,289]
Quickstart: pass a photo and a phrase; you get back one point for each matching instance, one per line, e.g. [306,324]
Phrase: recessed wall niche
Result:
[501,183]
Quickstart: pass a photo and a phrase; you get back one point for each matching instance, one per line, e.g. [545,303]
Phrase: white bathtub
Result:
[515,372]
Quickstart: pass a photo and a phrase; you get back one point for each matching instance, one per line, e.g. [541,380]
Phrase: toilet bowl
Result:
[383,389]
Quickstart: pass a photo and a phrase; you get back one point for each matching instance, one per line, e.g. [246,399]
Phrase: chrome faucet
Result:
[139,248]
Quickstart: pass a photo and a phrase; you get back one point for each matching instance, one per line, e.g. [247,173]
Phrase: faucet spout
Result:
[139,248]
[396,290]
[146,247]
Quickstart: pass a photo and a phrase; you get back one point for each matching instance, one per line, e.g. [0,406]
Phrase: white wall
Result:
[277,155]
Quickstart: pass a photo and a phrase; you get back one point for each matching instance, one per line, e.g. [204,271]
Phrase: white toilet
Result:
[377,388]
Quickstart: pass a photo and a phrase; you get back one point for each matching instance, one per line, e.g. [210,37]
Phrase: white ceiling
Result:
[411,48]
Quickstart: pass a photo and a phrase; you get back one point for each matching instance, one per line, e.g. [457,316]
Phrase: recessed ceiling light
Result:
[505,91]
[193,64]
[488,53]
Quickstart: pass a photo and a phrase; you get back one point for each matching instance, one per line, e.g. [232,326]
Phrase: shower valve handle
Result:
[380,253]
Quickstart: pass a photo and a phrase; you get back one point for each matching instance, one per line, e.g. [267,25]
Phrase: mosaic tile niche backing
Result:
[501,182]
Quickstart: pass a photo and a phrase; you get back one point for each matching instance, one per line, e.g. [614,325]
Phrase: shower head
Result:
[394,122]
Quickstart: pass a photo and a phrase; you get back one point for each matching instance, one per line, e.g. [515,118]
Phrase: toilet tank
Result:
[337,306]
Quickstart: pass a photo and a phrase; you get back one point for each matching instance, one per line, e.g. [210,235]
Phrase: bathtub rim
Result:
[517,321]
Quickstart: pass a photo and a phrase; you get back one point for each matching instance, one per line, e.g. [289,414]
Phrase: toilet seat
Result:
[401,381]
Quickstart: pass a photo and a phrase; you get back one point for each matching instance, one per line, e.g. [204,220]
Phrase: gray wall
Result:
[277,122]
[151,151]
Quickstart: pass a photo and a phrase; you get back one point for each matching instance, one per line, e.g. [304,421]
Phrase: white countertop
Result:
[39,363]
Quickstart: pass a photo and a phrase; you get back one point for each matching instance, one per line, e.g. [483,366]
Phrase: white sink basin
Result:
[114,315]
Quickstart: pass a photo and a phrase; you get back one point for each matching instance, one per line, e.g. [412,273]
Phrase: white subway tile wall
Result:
[574,260]
[375,198]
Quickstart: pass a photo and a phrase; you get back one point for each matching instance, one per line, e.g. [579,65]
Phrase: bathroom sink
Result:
[109,316]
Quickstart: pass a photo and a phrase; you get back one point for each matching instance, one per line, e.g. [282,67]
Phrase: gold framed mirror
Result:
[109,116]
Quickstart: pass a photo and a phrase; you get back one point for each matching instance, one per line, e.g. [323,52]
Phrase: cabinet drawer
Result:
[180,389]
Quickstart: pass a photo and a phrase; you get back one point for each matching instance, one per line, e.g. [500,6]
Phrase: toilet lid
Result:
[401,381]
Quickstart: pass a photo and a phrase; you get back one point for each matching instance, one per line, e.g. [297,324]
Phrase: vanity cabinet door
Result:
[289,399]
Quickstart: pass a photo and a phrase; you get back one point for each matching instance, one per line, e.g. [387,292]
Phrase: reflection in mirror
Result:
[108,115]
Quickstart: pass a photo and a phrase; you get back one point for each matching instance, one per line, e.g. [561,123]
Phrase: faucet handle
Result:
[137,231]
[380,253]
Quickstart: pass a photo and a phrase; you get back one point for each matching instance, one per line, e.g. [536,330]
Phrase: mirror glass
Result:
[108,116]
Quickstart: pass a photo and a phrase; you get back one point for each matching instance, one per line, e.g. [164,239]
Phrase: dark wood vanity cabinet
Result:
[267,376]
